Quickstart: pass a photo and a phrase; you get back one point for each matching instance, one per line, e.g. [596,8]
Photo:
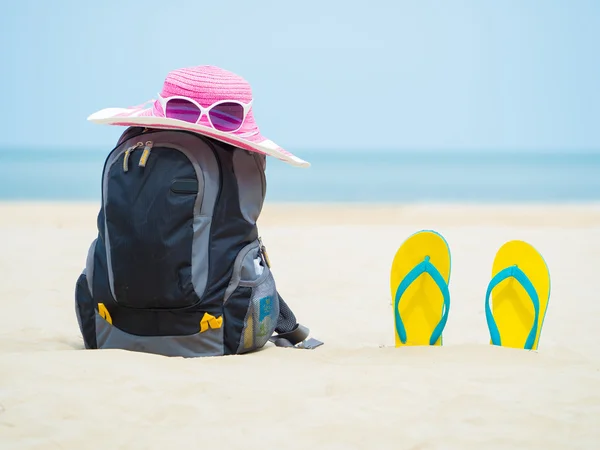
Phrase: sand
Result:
[331,264]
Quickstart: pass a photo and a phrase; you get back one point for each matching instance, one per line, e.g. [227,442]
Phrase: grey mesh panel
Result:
[89,267]
[207,172]
[250,176]
[243,268]
[286,321]
[261,320]
[257,329]
[209,343]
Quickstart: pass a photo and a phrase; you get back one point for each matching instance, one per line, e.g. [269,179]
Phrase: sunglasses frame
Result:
[205,111]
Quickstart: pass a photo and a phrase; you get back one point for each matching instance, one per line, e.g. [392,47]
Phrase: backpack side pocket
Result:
[251,303]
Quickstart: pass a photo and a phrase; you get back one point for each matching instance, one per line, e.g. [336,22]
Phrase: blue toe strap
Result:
[418,270]
[519,275]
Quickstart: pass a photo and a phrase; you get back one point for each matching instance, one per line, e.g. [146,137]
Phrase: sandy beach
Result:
[331,264]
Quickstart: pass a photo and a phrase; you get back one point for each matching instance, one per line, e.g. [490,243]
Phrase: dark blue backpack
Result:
[178,267]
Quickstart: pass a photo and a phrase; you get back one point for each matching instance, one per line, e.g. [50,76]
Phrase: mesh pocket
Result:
[263,311]
[251,303]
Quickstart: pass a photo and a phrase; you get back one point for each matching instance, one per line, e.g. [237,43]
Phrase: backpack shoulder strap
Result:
[289,332]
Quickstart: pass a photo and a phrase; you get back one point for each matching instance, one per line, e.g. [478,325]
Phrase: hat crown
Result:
[206,85]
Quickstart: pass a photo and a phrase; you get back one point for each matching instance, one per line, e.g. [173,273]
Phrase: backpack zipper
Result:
[128,152]
[263,252]
[145,154]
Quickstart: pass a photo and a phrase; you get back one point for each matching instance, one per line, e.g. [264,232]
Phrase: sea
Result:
[365,176]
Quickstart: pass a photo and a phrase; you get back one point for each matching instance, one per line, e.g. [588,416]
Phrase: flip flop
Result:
[519,292]
[419,287]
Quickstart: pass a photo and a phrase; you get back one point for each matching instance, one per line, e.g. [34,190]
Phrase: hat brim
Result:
[140,117]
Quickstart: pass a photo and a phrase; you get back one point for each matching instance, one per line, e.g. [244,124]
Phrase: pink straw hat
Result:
[204,85]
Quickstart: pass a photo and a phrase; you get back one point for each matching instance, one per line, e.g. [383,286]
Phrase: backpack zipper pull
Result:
[128,152]
[263,252]
[145,154]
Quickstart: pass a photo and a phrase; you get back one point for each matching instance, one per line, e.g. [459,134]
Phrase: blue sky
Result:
[398,74]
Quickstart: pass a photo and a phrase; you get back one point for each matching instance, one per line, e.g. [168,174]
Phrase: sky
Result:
[337,74]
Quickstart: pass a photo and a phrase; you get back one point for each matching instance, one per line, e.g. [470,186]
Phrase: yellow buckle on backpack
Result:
[104,313]
[210,321]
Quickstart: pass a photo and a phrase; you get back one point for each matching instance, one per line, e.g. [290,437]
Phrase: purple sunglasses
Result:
[225,115]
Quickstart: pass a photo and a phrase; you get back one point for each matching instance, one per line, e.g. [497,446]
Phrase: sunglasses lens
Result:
[182,110]
[227,116]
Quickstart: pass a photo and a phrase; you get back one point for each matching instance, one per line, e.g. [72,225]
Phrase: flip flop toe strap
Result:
[416,272]
[519,275]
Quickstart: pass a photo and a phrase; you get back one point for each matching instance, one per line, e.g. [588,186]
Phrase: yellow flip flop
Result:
[419,287]
[519,292]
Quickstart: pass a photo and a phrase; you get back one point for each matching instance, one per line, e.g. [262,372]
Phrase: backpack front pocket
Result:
[150,225]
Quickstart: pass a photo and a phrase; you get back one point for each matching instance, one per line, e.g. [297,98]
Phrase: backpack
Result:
[178,267]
